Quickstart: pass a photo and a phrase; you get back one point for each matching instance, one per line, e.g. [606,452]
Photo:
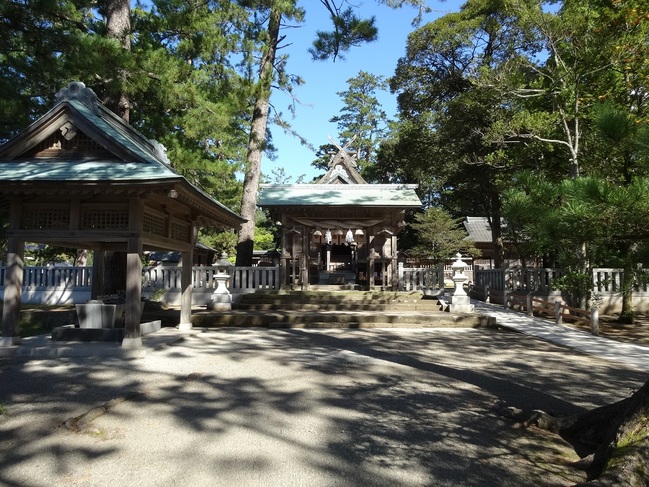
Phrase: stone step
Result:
[325,319]
[379,324]
[313,306]
[329,292]
[338,309]
[331,296]
[341,306]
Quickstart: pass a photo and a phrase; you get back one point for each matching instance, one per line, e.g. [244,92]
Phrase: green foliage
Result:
[50,255]
[577,285]
[221,241]
[266,237]
[267,232]
[323,157]
[581,223]
[348,30]
[361,117]
[500,87]
[440,236]
[33,328]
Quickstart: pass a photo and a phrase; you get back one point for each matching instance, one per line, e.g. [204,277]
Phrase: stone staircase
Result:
[337,309]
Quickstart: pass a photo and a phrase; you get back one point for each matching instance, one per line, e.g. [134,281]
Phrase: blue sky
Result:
[319,101]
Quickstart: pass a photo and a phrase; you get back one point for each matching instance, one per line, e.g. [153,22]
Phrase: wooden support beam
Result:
[186,291]
[13,293]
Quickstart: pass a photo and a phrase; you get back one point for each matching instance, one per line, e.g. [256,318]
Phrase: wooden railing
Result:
[242,279]
[523,280]
[517,279]
[557,310]
[47,277]
[250,279]
[425,279]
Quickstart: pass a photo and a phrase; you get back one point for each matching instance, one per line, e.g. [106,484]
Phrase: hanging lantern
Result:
[359,232]
[338,232]
[349,238]
[328,236]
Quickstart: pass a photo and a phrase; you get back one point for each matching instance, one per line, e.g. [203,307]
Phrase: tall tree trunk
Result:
[114,272]
[627,314]
[496,231]
[257,142]
[118,26]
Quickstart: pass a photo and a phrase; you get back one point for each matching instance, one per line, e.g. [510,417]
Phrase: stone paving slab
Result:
[627,354]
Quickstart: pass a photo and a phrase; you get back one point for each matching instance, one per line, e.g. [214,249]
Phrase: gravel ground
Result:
[258,407]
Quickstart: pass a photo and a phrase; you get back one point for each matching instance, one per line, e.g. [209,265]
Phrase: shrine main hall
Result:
[340,230]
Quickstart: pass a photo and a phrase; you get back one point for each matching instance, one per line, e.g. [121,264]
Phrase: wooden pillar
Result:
[13,292]
[295,264]
[283,261]
[186,285]
[132,334]
[395,267]
[306,260]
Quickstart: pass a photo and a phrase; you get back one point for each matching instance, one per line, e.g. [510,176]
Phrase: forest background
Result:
[523,111]
[527,112]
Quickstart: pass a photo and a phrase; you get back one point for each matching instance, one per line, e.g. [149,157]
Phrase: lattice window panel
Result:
[154,224]
[180,231]
[54,218]
[56,145]
[105,219]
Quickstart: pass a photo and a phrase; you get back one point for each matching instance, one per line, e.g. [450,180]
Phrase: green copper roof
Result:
[117,153]
[377,195]
[83,171]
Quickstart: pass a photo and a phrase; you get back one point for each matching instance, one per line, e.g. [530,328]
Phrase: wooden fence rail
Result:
[557,310]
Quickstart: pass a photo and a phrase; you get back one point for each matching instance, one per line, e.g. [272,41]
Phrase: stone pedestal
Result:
[96,314]
[221,298]
[460,302]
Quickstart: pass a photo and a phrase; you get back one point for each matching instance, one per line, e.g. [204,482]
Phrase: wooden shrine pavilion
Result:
[340,230]
[80,177]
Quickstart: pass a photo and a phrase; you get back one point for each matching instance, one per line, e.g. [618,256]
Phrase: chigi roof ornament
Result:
[76,90]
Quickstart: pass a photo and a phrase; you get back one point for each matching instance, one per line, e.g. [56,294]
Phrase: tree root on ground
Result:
[613,440]
[83,422]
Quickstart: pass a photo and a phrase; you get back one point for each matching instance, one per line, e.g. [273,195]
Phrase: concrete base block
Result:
[488,321]
[150,327]
[185,327]
[96,315]
[462,308]
[9,341]
[220,302]
[461,304]
[132,343]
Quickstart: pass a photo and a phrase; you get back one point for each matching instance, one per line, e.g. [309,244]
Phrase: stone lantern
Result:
[460,302]
[221,297]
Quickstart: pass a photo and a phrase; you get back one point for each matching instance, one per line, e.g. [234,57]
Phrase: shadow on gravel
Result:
[293,407]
